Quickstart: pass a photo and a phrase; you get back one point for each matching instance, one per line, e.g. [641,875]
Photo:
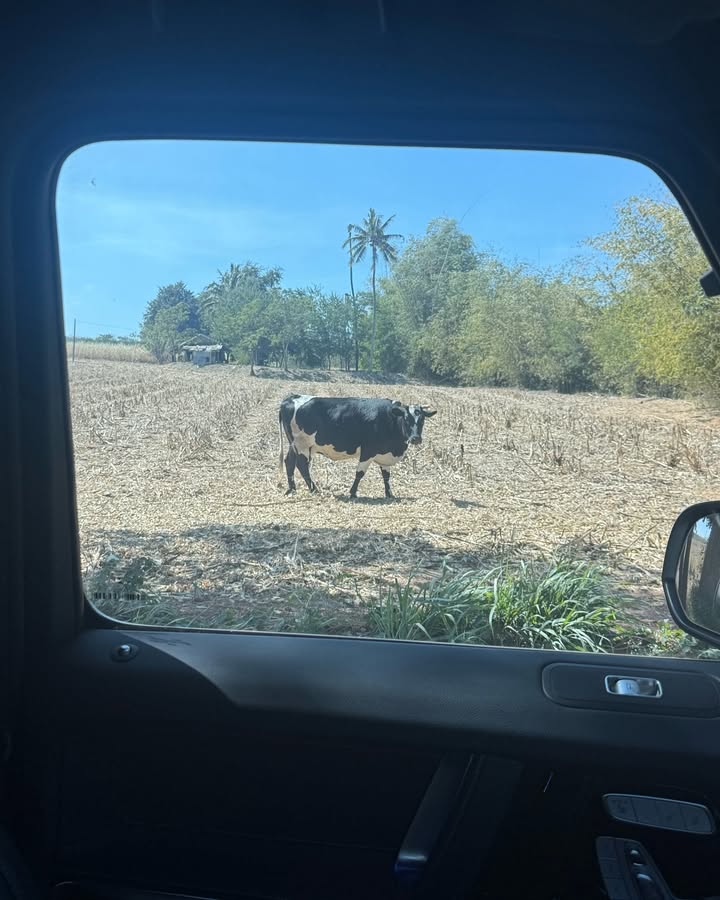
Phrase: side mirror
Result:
[691,572]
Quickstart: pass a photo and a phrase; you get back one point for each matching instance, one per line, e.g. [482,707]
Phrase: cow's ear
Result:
[428,413]
[398,409]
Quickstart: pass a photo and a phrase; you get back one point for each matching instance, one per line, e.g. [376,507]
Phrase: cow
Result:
[365,429]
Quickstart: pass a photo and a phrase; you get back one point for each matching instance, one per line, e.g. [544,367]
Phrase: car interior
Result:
[186,763]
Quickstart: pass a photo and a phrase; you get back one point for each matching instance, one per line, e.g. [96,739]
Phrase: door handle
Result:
[632,686]
[432,816]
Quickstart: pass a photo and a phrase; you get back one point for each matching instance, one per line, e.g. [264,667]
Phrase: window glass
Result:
[513,345]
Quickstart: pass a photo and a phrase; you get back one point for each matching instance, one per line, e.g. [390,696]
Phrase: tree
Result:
[167,332]
[253,329]
[355,311]
[235,308]
[170,318]
[420,282]
[168,296]
[372,235]
[634,319]
[656,330]
[393,346]
[288,317]
[246,278]
[335,315]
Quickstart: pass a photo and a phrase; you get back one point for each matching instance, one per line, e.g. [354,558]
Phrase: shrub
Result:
[561,605]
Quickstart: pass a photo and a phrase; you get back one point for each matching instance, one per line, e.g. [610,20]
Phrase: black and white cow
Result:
[365,429]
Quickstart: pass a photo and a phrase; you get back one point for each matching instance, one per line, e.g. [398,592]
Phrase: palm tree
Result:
[349,244]
[372,234]
[216,290]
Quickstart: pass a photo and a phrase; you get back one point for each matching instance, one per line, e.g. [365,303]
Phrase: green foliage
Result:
[330,337]
[561,605]
[372,235]
[420,294]
[392,347]
[634,320]
[170,318]
[161,613]
[656,331]
[168,331]
[236,286]
[637,323]
[236,308]
[523,329]
[168,296]
[265,323]
[451,312]
[107,338]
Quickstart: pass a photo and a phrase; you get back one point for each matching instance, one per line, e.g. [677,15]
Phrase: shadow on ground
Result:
[274,577]
[319,375]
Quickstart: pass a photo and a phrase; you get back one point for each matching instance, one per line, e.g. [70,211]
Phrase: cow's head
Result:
[412,419]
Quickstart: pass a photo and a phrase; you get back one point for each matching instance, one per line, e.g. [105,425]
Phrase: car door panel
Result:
[487,698]
[232,764]
[242,765]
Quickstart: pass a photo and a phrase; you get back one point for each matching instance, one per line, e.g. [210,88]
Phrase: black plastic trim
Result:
[432,816]
[710,283]
[486,700]
[693,694]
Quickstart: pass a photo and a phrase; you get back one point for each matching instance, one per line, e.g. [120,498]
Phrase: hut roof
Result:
[202,347]
[202,342]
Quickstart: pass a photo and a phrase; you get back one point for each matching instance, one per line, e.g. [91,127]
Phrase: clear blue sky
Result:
[133,216]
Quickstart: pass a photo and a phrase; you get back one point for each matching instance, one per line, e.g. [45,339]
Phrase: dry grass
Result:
[178,483]
[108,351]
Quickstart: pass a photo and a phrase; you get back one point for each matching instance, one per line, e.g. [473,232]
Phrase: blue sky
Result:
[133,216]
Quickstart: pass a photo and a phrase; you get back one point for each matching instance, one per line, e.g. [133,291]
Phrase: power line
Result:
[105,325]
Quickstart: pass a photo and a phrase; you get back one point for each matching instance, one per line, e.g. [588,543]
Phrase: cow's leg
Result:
[303,463]
[362,468]
[386,480]
[290,461]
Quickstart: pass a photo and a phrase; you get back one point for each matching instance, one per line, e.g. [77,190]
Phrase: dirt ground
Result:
[178,484]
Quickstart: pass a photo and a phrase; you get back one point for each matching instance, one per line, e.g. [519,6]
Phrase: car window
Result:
[406,393]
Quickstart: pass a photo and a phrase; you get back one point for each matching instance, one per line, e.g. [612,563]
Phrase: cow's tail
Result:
[282,447]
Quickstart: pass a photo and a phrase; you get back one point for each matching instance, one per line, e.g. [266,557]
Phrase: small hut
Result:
[203,351]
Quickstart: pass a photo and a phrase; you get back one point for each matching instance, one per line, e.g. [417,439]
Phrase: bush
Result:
[560,605]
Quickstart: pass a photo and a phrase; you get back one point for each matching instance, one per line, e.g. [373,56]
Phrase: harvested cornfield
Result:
[182,505]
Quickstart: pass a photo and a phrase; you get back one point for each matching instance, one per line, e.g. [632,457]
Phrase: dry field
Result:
[181,499]
[107,350]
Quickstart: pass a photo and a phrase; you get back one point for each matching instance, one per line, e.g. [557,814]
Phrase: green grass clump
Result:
[562,605]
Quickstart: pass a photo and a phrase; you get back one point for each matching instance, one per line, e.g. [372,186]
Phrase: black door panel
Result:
[272,766]
[219,812]
[482,698]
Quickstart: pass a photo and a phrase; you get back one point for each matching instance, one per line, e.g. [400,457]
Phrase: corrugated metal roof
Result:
[206,347]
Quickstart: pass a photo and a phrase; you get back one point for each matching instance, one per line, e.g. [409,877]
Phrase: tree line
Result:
[627,316]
